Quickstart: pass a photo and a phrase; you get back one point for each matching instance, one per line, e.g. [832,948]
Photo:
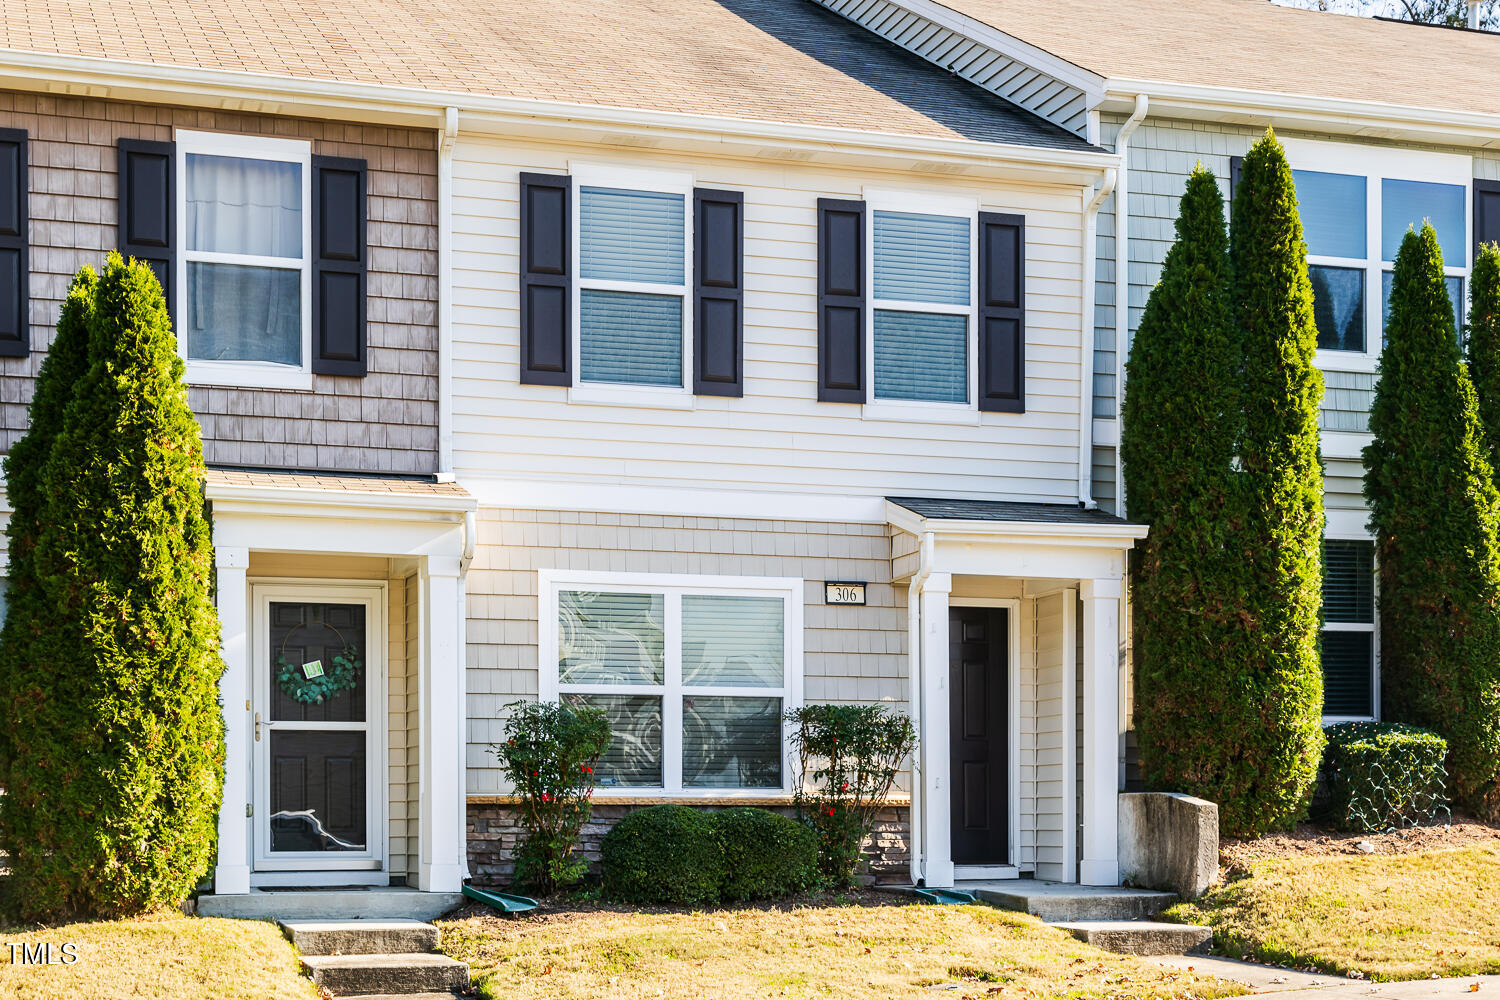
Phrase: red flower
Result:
[844,787]
[587,769]
[830,810]
[535,773]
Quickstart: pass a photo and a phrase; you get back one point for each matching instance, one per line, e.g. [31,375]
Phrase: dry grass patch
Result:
[1387,917]
[158,958]
[853,952]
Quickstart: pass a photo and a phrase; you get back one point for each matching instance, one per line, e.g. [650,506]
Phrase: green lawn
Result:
[853,952]
[158,958]
[1387,917]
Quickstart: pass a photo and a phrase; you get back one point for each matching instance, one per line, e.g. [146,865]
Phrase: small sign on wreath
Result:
[313,683]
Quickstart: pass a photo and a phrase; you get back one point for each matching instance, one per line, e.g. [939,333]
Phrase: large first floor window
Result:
[1350,687]
[694,674]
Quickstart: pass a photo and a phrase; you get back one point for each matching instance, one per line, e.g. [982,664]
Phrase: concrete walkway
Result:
[1288,984]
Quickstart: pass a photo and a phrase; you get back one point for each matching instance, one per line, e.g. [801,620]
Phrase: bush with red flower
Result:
[848,757]
[549,755]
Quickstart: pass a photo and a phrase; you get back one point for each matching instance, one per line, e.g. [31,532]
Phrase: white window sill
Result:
[1347,361]
[1345,444]
[1333,720]
[930,413]
[248,376]
[642,792]
[608,394]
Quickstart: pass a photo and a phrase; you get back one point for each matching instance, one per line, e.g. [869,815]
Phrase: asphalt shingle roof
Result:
[777,61]
[1003,510]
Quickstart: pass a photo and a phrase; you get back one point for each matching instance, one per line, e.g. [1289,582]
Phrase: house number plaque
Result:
[843,592]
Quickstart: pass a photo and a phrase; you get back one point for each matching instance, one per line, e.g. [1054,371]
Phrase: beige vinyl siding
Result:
[850,654]
[1052,737]
[778,437]
[1343,484]
[1027,768]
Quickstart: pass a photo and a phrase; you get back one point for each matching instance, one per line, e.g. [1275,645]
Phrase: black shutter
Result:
[1486,212]
[148,210]
[718,293]
[546,287]
[1002,312]
[841,301]
[15,325]
[339,265]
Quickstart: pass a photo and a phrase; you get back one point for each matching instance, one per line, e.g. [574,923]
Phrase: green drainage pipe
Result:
[502,901]
[952,897]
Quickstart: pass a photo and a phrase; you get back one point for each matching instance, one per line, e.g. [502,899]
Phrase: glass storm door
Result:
[318,760]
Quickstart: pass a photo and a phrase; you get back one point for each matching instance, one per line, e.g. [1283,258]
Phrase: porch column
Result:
[232,872]
[1101,701]
[443,730]
[937,833]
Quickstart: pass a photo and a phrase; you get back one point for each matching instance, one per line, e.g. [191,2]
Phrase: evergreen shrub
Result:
[1484,345]
[766,855]
[1384,776]
[663,854]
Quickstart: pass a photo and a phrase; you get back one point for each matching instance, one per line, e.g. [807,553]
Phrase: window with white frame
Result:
[694,674]
[633,278]
[244,271]
[1350,679]
[921,311]
[1357,204]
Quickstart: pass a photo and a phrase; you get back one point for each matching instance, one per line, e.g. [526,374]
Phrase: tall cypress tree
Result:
[1435,510]
[1283,477]
[1181,420]
[1484,345]
[122,754]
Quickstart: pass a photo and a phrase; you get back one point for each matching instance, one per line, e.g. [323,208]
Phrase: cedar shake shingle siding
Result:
[383,422]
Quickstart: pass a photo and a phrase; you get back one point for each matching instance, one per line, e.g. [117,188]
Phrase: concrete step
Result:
[383,903]
[364,975]
[361,937]
[1058,901]
[1140,937]
[408,996]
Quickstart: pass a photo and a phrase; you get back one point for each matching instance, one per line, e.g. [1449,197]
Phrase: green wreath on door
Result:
[340,673]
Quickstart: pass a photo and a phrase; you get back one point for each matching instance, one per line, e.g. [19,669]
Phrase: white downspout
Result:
[1122,279]
[1085,382]
[925,546]
[1473,20]
[445,294]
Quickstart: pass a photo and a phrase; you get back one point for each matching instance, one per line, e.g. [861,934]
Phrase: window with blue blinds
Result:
[1348,640]
[921,355]
[629,337]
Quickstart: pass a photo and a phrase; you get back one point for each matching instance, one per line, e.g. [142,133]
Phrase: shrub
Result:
[118,738]
[1435,510]
[766,855]
[1484,345]
[1189,578]
[663,854]
[549,755]
[1275,720]
[1384,776]
[850,755]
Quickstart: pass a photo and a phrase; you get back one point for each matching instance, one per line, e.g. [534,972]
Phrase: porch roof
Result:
[417,493]
[940,509]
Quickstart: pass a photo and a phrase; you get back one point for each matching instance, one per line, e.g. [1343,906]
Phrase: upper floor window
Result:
[1357,204]
[922,306]
[693,672]
[244,219]
[1350,671]
[633,279]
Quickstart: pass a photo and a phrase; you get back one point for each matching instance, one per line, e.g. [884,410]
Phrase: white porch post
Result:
[937,834]
[443,729]
[232,872]
[1101,699]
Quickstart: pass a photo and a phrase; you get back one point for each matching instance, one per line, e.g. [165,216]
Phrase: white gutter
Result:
[1086,356]
[926,545]
[1122,279]
[445,289]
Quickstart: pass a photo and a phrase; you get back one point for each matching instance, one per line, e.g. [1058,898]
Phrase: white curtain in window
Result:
[238,313]
[244,206]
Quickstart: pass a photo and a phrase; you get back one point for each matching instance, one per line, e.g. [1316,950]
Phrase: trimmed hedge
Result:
[1484,344]
[116,756]
[1275,670]
[1435,510]
[766,855]
[1384,776]
[663,854]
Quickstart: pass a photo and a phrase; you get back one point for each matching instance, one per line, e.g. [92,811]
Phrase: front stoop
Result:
[376,958]
[1140,937]
[1055,902]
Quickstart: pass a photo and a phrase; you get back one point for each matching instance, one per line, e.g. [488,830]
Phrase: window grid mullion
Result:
[671,717]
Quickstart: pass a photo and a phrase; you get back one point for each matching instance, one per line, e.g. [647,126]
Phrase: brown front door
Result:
[977,741]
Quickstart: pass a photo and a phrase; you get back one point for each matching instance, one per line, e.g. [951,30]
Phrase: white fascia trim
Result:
[356,503]
[1039,59]
[115,79]
[946,529]
[1344,444]
[673,501]
[1337,115]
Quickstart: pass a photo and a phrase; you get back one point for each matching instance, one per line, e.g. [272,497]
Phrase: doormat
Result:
[314,888]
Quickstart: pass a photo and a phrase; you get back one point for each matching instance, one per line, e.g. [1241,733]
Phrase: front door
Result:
[318,736]
[977,745]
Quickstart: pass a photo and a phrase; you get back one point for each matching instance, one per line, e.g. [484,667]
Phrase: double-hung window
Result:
[921,312]
[694,674]
[1357,204]
[245,274]
[1351,684]
[633,280]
